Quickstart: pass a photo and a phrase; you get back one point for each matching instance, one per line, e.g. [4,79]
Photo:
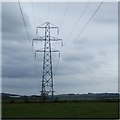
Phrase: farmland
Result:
[81,109]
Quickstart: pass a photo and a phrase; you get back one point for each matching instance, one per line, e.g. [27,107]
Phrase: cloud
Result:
[88,65]
[85,84]
[106,13]
[22,86]
[16,53]
[12,22]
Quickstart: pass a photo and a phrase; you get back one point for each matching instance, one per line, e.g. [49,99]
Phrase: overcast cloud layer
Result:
[89,64]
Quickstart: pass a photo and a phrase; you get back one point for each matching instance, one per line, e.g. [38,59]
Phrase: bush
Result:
[11,101]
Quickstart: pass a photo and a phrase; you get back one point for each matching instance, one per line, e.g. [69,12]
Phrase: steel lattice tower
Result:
[47,76]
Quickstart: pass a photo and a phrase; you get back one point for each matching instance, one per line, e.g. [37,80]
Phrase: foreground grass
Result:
[60,110]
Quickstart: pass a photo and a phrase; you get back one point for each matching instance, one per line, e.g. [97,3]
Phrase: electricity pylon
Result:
[47,76]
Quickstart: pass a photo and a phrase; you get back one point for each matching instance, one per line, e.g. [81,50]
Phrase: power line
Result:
[62,21]
[67,6]
[34,18]
[28,37]
[48,10]
[85,25]
[24,21]
[25,26]
[58,61]
[89,20]
[72,29]
[78,20]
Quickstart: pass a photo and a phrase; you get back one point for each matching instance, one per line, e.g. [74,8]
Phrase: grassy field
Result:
[60,110]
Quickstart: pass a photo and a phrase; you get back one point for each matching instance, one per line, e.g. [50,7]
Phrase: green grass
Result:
[60,110]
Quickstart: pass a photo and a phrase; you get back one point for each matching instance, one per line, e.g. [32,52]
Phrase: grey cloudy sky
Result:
[88,63]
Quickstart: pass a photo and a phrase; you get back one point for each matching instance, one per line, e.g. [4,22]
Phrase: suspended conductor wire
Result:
[48,8]
[85,25]
[65,13]
[64,16]
[75,25]
[24,21]
[25,25]
[28,37]
[34,18]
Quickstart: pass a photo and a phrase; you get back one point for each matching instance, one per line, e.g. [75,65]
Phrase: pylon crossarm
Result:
[41,25]
[43,39]
[42,50]
[45,27]
[56,51]
[39,39]
[50,27]
[55,28]
[47,23]
[38,51]
[52,24]
[55,39]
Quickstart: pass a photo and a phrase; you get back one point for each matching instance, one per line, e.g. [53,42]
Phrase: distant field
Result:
[61,110]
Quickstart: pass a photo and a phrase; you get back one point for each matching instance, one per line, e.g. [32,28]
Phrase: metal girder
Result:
[47,77]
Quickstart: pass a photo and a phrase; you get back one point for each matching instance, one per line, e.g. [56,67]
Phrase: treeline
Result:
[38,100]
